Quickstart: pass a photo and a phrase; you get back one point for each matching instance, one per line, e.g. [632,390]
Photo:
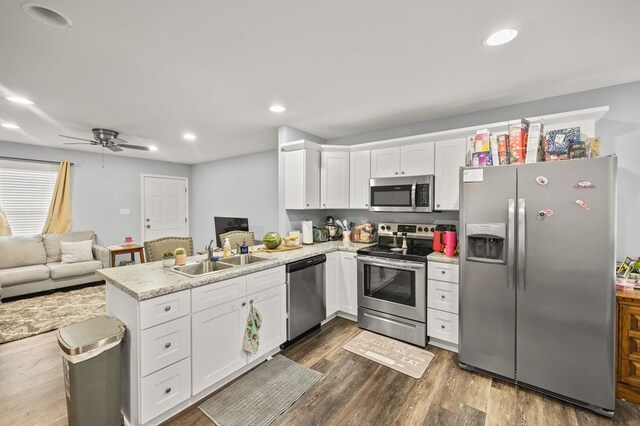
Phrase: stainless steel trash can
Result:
[91,365]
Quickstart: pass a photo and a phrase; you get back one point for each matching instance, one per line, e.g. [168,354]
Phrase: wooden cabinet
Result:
[406,160]
[359,175]
[449,157]
[334,180]
[628,346]
[332,280]
[348,286]
[302,179]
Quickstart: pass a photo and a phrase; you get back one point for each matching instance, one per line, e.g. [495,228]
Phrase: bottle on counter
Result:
[226,248]
[244,248]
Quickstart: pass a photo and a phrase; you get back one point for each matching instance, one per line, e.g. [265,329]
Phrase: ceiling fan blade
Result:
[114,148]
[77,143]
[80,139]
[141,148]
[119,139]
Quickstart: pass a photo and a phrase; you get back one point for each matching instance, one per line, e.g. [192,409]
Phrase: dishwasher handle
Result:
[306,263]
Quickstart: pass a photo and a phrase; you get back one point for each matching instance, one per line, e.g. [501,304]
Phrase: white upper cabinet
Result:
[334,180]
[450,156]
[385,162]
[302,179]
[418,159]
[406,160]
[359,175]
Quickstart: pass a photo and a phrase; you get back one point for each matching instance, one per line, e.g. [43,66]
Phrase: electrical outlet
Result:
[125,211]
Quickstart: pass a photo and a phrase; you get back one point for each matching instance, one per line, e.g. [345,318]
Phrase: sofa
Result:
[33,263]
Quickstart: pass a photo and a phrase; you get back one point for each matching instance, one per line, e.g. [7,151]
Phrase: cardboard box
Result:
[503,149]
[482,141]
[536,132]
[518,133]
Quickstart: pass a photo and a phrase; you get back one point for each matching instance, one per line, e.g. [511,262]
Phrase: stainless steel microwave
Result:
[402,194]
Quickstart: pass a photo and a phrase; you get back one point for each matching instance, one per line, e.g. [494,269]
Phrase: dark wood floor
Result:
[357,391]
[354,390]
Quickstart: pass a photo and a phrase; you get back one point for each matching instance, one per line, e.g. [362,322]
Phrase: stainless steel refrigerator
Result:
[537,283]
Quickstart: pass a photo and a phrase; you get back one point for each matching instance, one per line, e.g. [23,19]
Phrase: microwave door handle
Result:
[383,264]
[413,195]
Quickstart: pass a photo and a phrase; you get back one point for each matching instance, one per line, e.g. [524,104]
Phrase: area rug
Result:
[261,395]
[400,356]
[35,315]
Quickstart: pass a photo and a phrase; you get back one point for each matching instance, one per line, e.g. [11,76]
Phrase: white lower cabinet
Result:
[442,304]
[348,285]
[211,360]
[218,334]
[165,389]
[332,281]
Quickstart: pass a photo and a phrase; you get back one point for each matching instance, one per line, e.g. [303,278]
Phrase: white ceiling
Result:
[153,69]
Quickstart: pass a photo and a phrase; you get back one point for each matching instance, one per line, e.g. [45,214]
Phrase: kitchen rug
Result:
[35,315]
[402,357]
[259,397]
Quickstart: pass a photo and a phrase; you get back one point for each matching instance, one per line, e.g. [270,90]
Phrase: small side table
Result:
[131,250]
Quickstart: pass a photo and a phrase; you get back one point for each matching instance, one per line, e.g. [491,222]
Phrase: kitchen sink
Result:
[201,268]
[243,259]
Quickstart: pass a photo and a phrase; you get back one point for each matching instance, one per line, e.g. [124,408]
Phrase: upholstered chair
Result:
[237,237]
[155,249]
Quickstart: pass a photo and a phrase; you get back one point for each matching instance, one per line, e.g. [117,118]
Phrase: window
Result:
[25,194]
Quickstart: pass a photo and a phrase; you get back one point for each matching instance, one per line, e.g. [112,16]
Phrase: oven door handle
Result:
[411,266]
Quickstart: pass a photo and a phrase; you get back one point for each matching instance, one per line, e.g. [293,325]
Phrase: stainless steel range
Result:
[392,282]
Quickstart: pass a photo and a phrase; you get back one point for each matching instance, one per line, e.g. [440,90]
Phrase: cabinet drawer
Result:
[164,308]
[218,293]
[443,272]
[265,279]
[165,389]
[442,325]
[443,296]
[164,344]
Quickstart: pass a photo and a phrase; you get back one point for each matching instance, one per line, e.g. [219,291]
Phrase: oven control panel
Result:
[414,230]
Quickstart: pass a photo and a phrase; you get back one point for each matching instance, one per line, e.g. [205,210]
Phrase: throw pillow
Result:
[79,251]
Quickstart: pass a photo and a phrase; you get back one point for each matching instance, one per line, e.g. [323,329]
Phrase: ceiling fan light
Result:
[10,126]
[153,148]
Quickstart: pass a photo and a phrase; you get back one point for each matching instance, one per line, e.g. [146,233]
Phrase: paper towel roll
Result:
[307,232]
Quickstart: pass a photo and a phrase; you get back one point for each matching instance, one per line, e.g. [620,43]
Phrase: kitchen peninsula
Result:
[184,335]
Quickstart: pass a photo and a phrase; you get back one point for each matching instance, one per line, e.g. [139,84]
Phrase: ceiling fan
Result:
[106,139]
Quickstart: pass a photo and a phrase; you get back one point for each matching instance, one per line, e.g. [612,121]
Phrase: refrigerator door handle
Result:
[521,242]
[511,244]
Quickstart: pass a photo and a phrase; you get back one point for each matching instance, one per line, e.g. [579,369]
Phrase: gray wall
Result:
[98,193]
[619,131]
[245,186]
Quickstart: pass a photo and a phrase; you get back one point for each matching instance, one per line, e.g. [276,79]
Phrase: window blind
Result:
[25,195]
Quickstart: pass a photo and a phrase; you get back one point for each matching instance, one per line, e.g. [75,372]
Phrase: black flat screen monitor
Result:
[226,224]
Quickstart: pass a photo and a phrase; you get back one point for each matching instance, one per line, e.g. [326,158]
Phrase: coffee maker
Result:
[333,228]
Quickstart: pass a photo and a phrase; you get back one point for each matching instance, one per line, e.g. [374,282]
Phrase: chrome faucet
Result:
[210,249]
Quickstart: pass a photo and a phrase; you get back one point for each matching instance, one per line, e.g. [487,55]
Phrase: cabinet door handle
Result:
[167,390]
[437,205]
[167,345]
[396,172]
[244,303]
[307,205]
[324,205]
[366,204]
[443,296]
[167,308]
[402,172]
[444,272]
[442,327]
[148,226]
[251,301]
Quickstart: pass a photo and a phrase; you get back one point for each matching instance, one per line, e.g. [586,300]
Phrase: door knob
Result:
[148,226]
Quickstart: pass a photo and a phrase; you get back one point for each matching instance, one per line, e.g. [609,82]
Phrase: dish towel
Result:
[251,336]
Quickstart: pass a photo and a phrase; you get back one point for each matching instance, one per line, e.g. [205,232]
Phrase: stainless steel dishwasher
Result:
[305,295]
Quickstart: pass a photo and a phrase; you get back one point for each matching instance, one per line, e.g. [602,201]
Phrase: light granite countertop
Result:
[442,258]
[149,280]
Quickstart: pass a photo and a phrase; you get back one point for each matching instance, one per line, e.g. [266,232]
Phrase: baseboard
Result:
[443,345]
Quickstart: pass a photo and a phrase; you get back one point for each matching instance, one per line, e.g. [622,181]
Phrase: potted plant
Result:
[181,256]
[168,260]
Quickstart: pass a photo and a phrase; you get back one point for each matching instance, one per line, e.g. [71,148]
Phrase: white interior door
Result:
[165,207]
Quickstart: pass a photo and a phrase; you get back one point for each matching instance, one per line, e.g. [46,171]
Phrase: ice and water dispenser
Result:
[486,242]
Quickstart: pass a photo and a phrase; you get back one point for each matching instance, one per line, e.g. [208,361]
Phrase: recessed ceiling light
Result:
[46,15]
[277,108]
[153,148]
[189,136]
[19,100]
[500,37]
[10,126]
